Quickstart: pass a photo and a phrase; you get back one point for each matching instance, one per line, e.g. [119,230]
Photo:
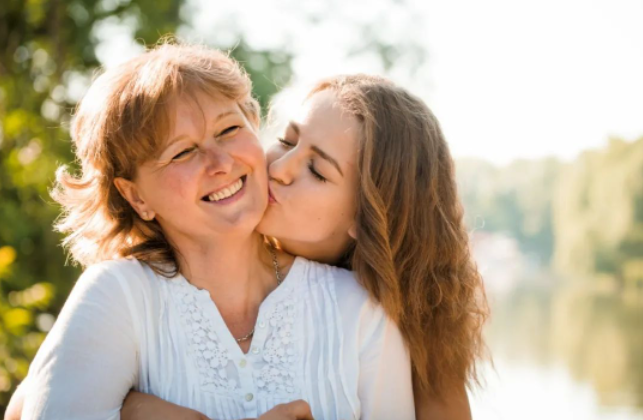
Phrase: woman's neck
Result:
[238,272]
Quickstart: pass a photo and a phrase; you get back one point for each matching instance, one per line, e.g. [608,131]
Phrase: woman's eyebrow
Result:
[327,158]
[215,120]
[223,115]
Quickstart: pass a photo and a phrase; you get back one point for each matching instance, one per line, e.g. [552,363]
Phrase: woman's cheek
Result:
[254,154]
[178,182]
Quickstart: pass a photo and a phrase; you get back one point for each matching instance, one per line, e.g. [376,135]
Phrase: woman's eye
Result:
[284,142]
[230,131]
[184,153]
[315,173]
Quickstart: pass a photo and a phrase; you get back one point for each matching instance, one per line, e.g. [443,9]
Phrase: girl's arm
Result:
[454,407]
[144,407]
[140,406]
[137,406]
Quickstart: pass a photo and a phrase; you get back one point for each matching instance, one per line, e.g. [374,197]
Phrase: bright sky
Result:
[506,79]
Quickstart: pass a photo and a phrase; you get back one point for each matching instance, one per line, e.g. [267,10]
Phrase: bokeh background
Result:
[542,103]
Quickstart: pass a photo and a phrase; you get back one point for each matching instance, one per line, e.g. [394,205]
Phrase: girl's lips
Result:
[271,198]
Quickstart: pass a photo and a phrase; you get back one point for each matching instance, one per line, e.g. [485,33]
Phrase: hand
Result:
[146,406]
[295,410]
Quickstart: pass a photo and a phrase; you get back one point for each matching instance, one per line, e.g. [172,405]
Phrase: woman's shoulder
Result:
[130,275]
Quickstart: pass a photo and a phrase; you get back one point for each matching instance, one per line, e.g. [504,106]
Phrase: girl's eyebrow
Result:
[327,158]
[292,125]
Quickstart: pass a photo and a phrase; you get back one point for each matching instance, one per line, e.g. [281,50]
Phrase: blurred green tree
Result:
[598,215]
[515,199]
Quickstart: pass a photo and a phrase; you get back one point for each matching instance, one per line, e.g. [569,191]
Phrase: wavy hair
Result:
[412,248]
[121,123]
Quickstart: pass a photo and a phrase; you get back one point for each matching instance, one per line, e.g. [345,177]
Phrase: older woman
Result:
[182,299]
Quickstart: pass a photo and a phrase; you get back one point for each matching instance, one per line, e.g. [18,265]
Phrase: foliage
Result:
[515,199]
[587,215]
[598,214]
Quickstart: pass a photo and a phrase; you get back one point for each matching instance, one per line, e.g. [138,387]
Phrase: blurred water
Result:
[562,348]
[526,391]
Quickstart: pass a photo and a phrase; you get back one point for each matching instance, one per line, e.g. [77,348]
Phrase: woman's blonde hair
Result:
[121,123]
[412,248]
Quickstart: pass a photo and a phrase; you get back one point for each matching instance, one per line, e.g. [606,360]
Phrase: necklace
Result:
[278,276]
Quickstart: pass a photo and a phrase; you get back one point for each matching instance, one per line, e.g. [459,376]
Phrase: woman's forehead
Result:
[200,111]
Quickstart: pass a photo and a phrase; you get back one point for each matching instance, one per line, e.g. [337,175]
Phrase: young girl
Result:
[392,183]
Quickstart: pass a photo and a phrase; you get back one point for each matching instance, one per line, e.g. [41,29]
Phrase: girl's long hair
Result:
[412,249]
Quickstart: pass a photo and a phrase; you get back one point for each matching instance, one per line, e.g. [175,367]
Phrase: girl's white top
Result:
[318,337]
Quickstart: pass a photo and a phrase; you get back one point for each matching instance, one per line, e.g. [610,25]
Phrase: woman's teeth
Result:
[226,192]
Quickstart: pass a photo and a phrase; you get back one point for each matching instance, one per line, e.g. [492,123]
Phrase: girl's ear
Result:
[129,192]
[352,231]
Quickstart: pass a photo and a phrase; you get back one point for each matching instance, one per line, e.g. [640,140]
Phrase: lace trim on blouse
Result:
[278,375]
[274,374]
[211,356]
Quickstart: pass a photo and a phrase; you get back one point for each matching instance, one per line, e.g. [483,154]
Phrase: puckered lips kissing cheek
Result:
[228,193]
[271,196]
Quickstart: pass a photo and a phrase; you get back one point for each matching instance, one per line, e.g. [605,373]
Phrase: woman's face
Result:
[313,181]
[210,177]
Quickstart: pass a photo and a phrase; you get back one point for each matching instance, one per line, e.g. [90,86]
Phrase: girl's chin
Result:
[266,225]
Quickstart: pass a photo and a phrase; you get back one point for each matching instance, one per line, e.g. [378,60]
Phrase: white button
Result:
[262,324]
[255,350]
[249,397]
[242,363]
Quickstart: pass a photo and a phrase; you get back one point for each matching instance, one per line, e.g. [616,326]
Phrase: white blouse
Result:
[318,337]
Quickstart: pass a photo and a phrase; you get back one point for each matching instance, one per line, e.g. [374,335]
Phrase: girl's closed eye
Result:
[316,174]
[284,142]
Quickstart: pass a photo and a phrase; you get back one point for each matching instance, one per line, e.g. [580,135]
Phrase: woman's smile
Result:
[227,194]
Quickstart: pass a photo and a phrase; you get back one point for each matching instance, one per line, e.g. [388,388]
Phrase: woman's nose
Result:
[219,161]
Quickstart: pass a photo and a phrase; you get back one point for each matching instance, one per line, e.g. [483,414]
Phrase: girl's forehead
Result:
[323,116]
[318,105]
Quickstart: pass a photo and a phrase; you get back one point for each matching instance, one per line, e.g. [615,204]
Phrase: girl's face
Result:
[210,178]
[313,181]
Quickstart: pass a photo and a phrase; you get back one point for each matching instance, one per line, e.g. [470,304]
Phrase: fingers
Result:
[295,410]
[300,410]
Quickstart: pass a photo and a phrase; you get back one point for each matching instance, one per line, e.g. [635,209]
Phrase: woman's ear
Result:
[129,192]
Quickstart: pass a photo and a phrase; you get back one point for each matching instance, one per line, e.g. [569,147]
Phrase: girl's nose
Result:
[282,169]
